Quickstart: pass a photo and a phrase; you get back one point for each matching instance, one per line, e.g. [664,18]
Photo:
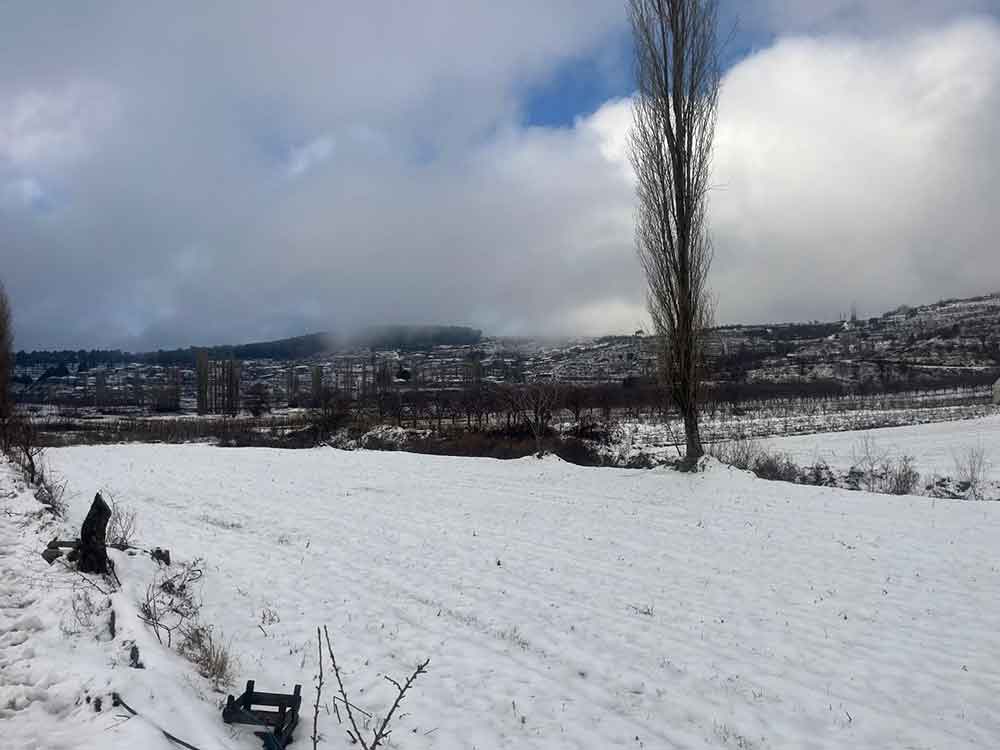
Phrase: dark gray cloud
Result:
[201,174]
[206,172]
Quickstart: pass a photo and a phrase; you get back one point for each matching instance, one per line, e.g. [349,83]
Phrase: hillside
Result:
[948,342]
[954,343]
[287,349]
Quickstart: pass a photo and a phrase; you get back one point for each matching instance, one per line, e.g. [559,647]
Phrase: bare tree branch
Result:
[383,731]
[356,735]
[381,734]
[319,691]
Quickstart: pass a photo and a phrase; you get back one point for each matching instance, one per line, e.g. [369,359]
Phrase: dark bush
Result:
[379,443]
[819,474]
[576,451]
[641,461]
[742,452]
[900,477]
[492,444]
[597,432]
[776,468]
[500,444]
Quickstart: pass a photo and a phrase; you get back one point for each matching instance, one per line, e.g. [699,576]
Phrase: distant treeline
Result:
[299,347]
[283,349]
[416,337]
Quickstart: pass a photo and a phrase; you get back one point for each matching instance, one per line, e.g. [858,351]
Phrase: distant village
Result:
[954,342]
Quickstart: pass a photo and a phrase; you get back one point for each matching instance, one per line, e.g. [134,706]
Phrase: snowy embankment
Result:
[934,448]
[560,607]
[65,645]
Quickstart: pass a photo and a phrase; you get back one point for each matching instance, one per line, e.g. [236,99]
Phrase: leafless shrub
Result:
[379,735]
[171,605]
[819,475]
[867,463]
[207,652]
[319,692]
[776,467]
[121,526]
[972,468]
[84,614]
[898,477]
[24,447]
[742,452]
[874,470]
[51,492]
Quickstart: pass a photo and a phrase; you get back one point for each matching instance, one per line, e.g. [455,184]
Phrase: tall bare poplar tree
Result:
[6,369]
[677,72]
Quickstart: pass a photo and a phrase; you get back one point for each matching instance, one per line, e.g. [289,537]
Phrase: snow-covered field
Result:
[934,447]
[807,419]
[560,606]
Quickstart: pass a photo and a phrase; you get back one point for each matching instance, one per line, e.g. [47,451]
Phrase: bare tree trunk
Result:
[6,371]
[671,141]
[93,553]
[317,385]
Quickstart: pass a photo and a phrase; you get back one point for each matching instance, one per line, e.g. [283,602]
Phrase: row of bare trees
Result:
[492,405]
[217,385]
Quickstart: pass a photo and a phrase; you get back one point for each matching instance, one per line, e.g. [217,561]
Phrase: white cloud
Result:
[309,156]
[44,127]
[859,170]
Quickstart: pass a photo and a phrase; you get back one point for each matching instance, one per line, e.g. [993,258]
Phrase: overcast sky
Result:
[198,173]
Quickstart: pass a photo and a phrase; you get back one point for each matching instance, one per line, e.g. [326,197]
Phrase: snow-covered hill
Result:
[560,607]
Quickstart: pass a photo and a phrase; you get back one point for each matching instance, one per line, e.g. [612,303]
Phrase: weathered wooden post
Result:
[93,555]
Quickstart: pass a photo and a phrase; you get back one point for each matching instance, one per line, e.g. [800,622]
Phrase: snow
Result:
[812,418]
[58,660]
[560,606]
[933,447]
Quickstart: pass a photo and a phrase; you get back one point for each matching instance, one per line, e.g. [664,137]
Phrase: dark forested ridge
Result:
[400,337]
[404,337]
